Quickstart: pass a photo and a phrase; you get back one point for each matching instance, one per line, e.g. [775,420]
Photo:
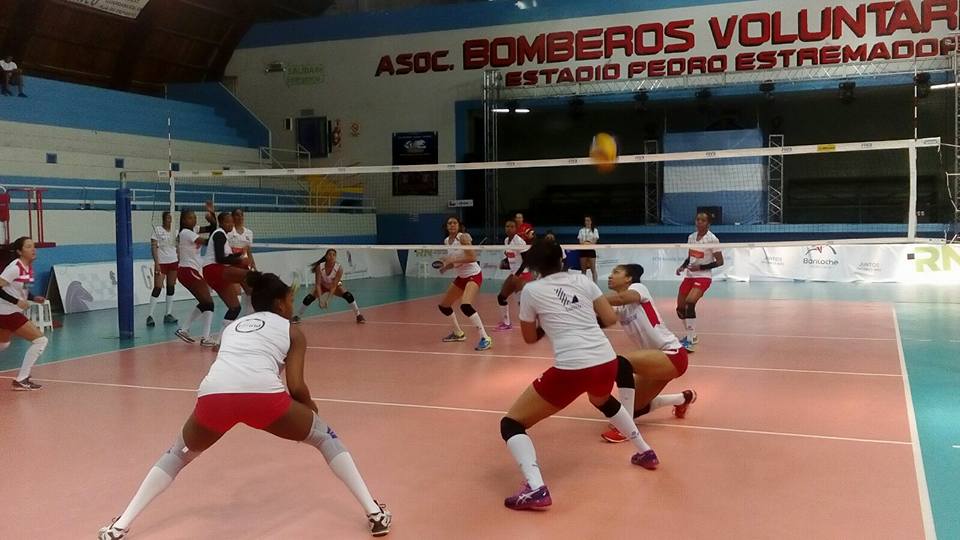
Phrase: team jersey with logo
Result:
[513,257]
[643,323]
[253,350]
[19,278]
[189,250]
[238,241]
[702,255]
[463,270]
[329,279]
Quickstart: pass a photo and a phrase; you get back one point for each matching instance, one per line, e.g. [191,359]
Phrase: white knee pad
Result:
[40,343]
[323,438]
[176,458]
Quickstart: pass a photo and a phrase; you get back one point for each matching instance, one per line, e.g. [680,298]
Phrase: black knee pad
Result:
[232,313]
[501,299]
[642,411]
[171,290]
[510,428]
[624,373]
[467,309]
[681,312]
[155,292]
[691,312]
[308,299]
[446,310]
[611,407]
[203,307]
[348,296]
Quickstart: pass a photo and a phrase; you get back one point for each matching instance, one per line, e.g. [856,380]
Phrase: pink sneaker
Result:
[503,327]
[648,460]
[529,499]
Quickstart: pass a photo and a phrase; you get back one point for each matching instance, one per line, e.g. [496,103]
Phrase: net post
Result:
[912,205]
[124,263]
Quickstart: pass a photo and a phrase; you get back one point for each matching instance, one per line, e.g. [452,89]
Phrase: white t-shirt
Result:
[210,255]
[253,350]
[643,323]
[240,241]
[189,250]
[8,66]
[586,235]
[19,278]
[329,279]
[514,257]
[705,255]
[463,270]
[166,244]
[563,303]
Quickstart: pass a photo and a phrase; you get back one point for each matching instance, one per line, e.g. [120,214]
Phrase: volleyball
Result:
[603,152]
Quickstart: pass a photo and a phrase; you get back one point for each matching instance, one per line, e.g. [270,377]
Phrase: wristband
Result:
[8,297]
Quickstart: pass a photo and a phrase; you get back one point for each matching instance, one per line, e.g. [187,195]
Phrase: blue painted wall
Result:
[218,98]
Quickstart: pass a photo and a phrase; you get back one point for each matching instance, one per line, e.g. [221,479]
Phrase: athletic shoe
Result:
[687,345]
[169,319]
[295,319]
[150,321]
[455,337]
[380,522]
[485,343]
[184,335]
[24,385]
[204,342]
[21,94]
[112,533]
[648,460]
[613,436]
[503,327]
[689,396]
[529,499]
[360,319]
[695,340]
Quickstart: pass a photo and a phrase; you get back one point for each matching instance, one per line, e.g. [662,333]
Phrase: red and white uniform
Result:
[19,278]
[466,272]
[643,323]
[212,270]
[699,256]
[190,270]
[524,231]
[328,280]
[244,383]
[166,248]
[584,359]
[240,241]
[514,257]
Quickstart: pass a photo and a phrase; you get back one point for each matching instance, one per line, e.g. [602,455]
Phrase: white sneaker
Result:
[112,533]
[380,522]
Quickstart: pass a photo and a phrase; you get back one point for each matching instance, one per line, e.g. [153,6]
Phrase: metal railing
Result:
[273,157]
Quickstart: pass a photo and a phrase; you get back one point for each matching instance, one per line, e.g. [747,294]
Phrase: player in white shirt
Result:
[588,235]
[241,241]
[190,274]
[244,385]
[518,275]
[328,276]
[465,287]
[15,298]
[660,358]
[163,247]
[223,269]
[11,76]
[568,309]
[698,267]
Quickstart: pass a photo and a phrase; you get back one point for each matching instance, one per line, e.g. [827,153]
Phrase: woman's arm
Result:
[531,331]
[294,364]
[624,298]
[155,251]
[606,316]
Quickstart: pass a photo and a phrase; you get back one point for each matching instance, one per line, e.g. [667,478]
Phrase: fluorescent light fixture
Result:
[521,110]
[943,86]
[500,110]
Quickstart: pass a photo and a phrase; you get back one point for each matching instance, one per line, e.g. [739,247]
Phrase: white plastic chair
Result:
[41,315]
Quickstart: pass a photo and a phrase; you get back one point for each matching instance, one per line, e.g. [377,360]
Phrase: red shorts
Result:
[679,359]
[13,321]
[213,275]
[166,268]
[461,282]
[688,284]
[526,277]
[561,386]
[220,412]
[189,277]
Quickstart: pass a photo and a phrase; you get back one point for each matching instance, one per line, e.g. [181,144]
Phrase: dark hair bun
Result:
[253,279]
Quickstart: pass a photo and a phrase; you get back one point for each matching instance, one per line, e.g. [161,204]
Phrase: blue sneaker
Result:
[529,499]
[687,345]
[485,343]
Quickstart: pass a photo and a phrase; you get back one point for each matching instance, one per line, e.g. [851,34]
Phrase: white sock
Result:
[154,484]
[207,323]
[505,310]
[623,421]
[30,358]
[627,398]
[664,400]
[475,319]
[691,325]
[169,304]
[521,446]
[194,315]
[343,466]
[456,323]
[153,304]
[356,308]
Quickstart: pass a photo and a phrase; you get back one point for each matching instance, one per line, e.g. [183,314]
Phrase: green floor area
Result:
[929,317]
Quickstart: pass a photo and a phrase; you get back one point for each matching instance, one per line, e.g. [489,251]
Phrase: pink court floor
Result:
[800,431]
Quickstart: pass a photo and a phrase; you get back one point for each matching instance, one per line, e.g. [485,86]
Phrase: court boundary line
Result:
[490,411]
[550,358]
[926,508]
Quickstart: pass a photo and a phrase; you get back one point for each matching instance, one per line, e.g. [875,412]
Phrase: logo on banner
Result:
[824,256]
[873,267]
[771,260]
[415,146]
[935,259]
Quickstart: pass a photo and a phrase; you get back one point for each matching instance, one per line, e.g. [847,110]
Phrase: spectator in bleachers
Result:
[12,76]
